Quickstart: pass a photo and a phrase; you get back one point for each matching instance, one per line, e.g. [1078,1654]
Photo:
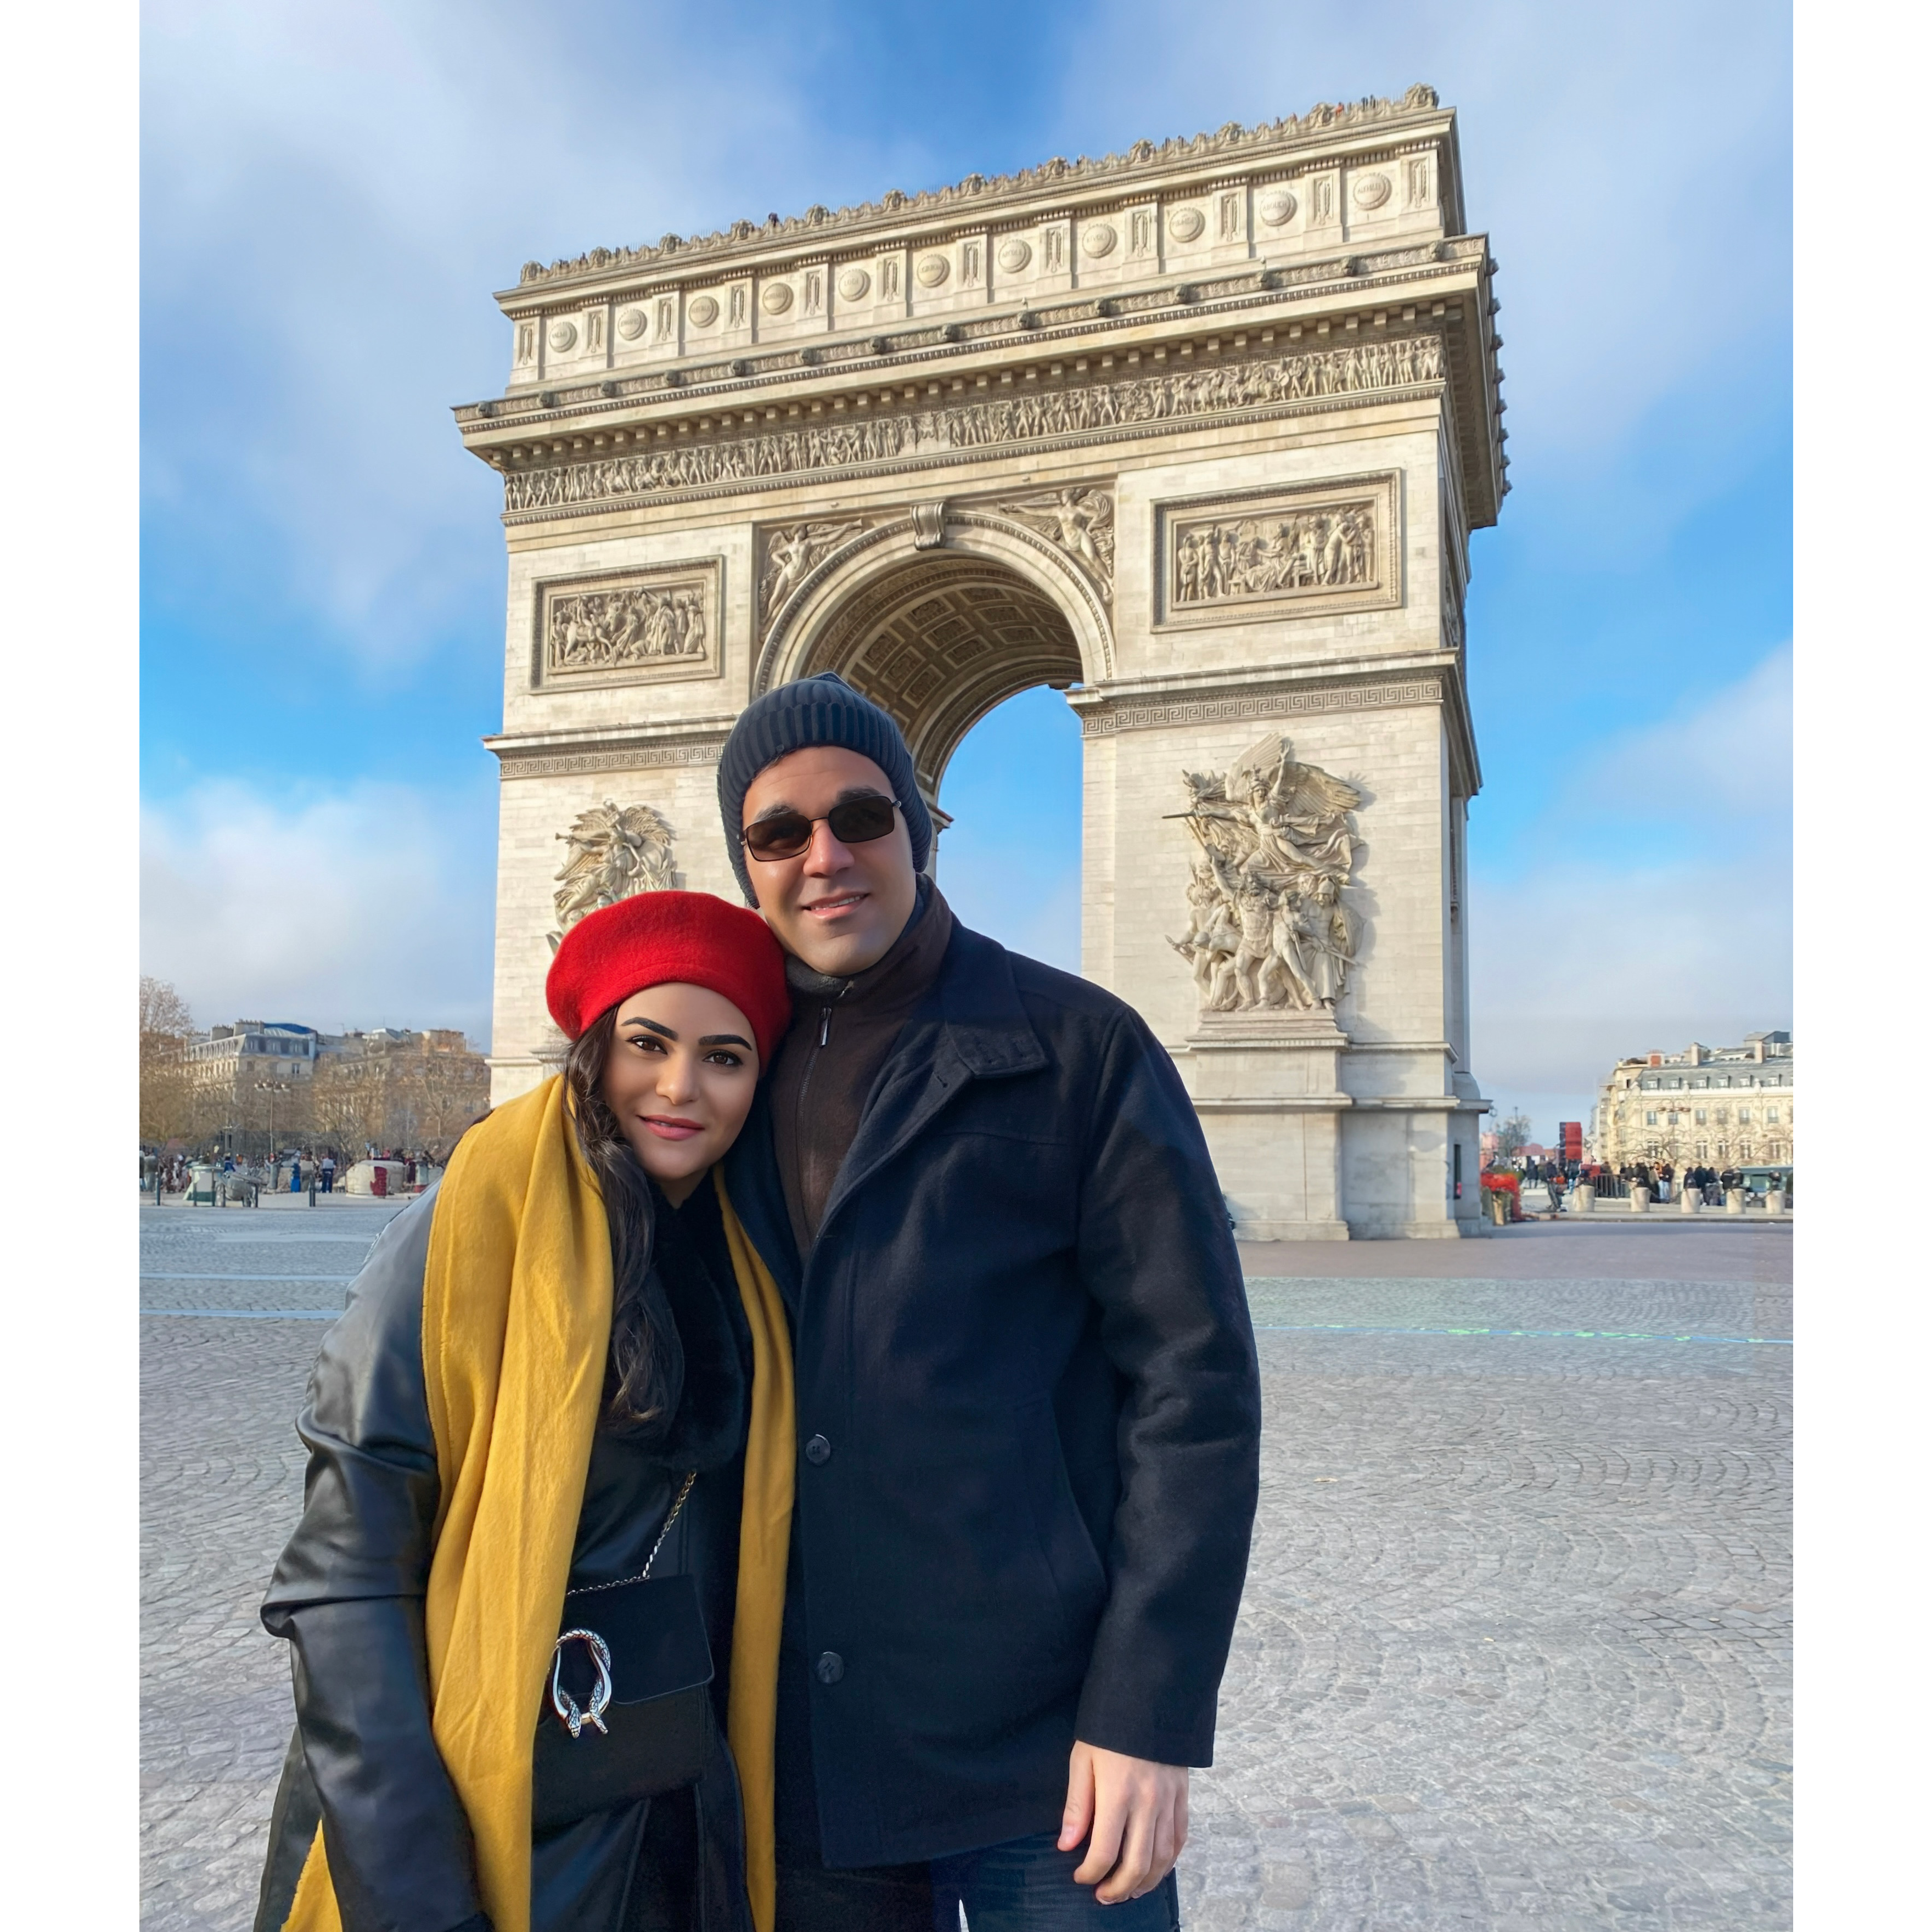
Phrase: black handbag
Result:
[627,1714]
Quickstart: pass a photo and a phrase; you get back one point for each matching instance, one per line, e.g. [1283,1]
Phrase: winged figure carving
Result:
[614,851]
[1080,520]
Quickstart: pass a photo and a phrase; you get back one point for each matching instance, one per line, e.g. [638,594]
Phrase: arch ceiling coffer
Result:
[942,641]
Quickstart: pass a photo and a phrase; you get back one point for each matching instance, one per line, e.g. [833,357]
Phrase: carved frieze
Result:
[1274,847]
[625,626]
[1273,552]
[614,851]
[1103,720]
[1079,520]
[1260,383]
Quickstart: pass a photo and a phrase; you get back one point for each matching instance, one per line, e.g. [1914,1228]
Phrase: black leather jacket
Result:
[348,1594]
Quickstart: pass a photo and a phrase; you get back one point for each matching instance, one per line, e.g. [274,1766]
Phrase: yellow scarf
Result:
[516,1326]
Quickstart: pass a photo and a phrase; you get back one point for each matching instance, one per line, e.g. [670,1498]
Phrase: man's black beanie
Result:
[821,710]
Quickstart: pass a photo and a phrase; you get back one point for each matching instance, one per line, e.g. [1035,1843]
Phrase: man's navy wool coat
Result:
[1029,1416]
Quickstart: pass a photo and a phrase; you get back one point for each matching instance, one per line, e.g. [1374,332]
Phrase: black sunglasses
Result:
[854,821]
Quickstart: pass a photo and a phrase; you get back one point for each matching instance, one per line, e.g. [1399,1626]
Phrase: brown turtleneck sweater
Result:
[842,1032]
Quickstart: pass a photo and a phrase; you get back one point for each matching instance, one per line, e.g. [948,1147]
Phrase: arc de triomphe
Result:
[1195,434]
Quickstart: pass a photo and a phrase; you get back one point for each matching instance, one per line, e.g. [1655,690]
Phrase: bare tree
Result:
[169,1109]
[1512,1134]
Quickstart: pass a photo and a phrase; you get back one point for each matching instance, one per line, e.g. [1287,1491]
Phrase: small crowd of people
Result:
[292,1171]
[1661,1178]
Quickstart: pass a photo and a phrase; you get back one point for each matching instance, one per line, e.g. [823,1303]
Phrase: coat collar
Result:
[970,1026]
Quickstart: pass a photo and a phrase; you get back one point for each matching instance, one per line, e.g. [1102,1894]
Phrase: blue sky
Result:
[331,194]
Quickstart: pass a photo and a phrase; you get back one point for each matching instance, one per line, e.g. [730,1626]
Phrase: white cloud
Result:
[1658,910]
[365,908]
[330,196]
[1725,759]
[1630,163]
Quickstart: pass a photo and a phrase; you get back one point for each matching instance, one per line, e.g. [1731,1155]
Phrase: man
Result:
[1028,1407]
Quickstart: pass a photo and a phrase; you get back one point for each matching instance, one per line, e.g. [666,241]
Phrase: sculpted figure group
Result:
[1333,546]
[1267,928]
[596,630]
[1262,382]
[614,851]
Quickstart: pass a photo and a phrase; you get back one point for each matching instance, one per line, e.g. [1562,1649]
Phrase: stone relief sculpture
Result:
[1266,927]
[615,851]
[1080,520]
[1260,382]
[791,552]
[608,630]
[1332,547]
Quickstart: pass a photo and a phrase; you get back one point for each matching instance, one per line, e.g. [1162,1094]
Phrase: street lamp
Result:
[271,1088]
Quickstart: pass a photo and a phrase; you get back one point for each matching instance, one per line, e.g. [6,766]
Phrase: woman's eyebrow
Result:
[724,1039]
[656,1026]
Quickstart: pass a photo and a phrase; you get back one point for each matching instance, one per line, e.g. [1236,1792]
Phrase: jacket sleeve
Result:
[348,1594]
[1155,1254]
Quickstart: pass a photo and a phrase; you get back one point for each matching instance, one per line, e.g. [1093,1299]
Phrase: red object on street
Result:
[1508,1183]
[379,1181]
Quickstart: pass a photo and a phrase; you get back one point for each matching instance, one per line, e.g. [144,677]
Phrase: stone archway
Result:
[1197,435]
[941,617]
[939,643]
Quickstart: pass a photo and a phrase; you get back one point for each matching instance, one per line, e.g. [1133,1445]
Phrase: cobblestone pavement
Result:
[1514,1653]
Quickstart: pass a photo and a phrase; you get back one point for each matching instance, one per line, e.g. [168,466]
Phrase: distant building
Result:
[1723,1106]
[234,1057]
[274,1080]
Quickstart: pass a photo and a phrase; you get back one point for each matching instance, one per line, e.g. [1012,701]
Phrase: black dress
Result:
[348,1594]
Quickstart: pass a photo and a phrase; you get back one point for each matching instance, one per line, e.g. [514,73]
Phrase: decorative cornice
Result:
[642,756]
[818,226]
[1228,390]
[1101,718]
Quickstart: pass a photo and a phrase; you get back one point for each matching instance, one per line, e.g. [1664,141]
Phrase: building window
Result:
[1771,1116]
[1650,1120]
[1702,1149]
[1744,1117]
[1700,1117]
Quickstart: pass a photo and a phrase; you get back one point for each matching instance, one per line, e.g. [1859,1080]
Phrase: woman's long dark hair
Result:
[636,1397]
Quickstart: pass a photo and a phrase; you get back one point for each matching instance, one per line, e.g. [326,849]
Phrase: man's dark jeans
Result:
[1027,1886]
[1024,1885]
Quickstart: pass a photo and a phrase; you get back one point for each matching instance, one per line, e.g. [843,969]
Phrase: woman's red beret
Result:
[654,939]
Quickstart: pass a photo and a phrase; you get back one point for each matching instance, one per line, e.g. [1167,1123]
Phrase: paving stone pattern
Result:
[1513,1656]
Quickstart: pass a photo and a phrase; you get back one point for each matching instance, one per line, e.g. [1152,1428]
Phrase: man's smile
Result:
[831,908]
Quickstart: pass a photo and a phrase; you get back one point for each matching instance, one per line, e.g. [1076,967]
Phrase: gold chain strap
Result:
[588,1589]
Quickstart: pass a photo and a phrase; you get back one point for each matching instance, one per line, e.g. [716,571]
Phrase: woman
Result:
[563,1356]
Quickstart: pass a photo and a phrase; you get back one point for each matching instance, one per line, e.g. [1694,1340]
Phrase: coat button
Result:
[818,1450]
[829,1668]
